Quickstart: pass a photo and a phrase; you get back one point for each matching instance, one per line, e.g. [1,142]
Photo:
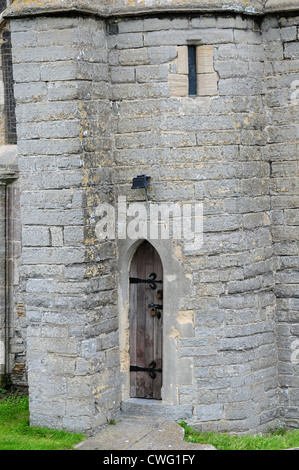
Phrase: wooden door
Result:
[146,323]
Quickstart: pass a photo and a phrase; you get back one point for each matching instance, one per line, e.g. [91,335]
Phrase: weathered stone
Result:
[100,101]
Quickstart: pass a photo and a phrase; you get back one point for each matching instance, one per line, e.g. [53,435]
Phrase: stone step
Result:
[155,408]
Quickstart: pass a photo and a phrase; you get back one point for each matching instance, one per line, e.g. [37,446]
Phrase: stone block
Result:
[56,255]
[49,130]
[126,41]
[75,423]
[35,236]
[289,33]
[34,112]
[123,74]
[139,91]
[151,73]
[131,26]
[56,236]
[64,70]
[204,22]
[237,411]
[30,92]
[205,59]
[74,236]
[56,37]
[26,38]
[182,60]
[207,84]
[46,23]
[232,68]
[50,146]
[162,24]
[212,412]
[163,38]
[211,36]
[243,87]
[20,72]
[138,407]
[161,54]
[67,91]
[253,37]
[179,85]
[131,57]
[80,407]
[291,50]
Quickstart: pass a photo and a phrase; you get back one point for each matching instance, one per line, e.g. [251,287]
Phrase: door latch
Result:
[155,310]
[157,306]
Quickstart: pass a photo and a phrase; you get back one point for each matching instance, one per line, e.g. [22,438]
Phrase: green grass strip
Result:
[278,439]
[17,434]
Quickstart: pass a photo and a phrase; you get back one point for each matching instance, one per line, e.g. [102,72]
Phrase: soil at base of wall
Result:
[13,391]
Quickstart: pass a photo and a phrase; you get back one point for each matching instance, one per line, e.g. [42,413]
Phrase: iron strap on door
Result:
[152,281]
[151,369]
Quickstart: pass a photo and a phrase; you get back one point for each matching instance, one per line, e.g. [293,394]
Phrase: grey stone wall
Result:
[100,105]
[282,60]
[66,278]
[212,150]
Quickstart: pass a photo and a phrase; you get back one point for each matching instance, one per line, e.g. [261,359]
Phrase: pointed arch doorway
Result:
[146,323]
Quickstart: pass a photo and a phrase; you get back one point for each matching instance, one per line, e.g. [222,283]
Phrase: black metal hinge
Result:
[151,369]
[151,281]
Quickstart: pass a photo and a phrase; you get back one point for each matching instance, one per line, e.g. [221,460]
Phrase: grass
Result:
[278,439]
[17,434]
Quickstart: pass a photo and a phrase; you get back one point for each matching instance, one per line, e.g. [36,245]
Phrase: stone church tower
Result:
[202,97]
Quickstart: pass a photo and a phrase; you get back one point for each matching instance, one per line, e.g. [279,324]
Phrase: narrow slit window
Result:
[192,71]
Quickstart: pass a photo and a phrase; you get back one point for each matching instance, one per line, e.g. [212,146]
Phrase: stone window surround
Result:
[207,77]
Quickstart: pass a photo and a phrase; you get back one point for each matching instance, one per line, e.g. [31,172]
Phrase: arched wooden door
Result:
[146,323]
